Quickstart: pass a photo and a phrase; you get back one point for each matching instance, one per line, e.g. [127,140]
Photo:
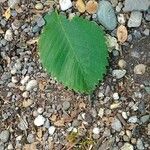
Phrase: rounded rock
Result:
[127,146]
[106,15]
[8,35]
[4,136]
[115,96]
[31,85]
[51,130]
[39,6]
[66,105]
[122,63]
[39,120]
[96,130]
[139,69]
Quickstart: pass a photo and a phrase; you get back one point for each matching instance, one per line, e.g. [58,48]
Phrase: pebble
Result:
[121,18]
[139,69]
[40,110]
[115,105]
[4,136]
[14,79]
[66,105]
[91,6]
[145,118]
[65,4]
[118,73]
[39,120]
[106,15]
[13,3]
[135,19]
[127,146]
[25,94]
[139,144]
[8,35]
[31,85]
[40,22]
[39,6]
[51,130]
[30,138]
[24,80]
[141,5]
[96,130]
[115,96]
[133,119]
[2,147]
[122,63]
[146,32]
[101,112]
[15,25]
[129,133]
[96,136]
[114,2]
[27,103]
[124,115]
[116,125]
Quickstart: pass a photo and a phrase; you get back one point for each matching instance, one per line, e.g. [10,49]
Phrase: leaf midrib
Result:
[65,33]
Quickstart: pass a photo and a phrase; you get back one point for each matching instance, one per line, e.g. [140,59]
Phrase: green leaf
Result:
[75,52]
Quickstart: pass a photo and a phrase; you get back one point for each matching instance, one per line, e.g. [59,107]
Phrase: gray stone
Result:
[145,118]
[118,73]
[30,138]
[40,22]
[35,29]
[12,3]
[127,146]
[2,147]
[66,105]
[31,85]
[4,136]
[139,144]
[116,125]
[140,5]
[135,19]
[106,15]
[8,35]
[3,22]
[146,32]
[114,3]
[133,119]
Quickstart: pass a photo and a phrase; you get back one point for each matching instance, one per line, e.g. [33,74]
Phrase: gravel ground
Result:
[37,113]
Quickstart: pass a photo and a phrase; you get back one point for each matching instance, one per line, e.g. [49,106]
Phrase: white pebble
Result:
[14,79]
[121,19]
[39,6]
[124,115]
[65,4]
[13,71]
[40,110]
[96,130]
[133,119]
[115,96]
[51,130]
[31,84]
[25,94]
[39,120]
[122,63]
[101,112]
[8,35]
[139,69]
[24,80]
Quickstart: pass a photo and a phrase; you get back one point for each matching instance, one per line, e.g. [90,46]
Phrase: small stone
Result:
[106,15]
[39,6]
[118,73]
[66,105]
[115,96]
[124,115]
[139,69]
[115,105]
[80,6]
[121,19]
[10,147]
[91,6]
[40,22]
[39,120]
[13,3]
[30,138]
[145,118]
[16,24]
[133,119]
[139,144]
[2,147]
[114,2]
[23,124]
[122,63]
[126,138]
[141,5]
[101,95]
[40,110]
[127,146]
[51,130]
[129,133]
[135,19]
[27,103]
[101,112]
[31,85]
[96,130]
[8,35]
[116,125]
[4,136]
[24,80]
[146,32]
[25,94]
[14,79]
[122,33]
[96,136]
[35,29]
[65,4]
